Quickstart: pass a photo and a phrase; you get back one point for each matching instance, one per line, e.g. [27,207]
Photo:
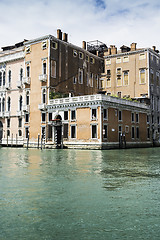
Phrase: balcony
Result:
[26,108]
[19,113]
[42,106]
[26,80]
[7,114]
[8,86]
[43,77]
[19,84]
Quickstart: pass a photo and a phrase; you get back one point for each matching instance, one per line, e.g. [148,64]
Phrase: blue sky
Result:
[110,21]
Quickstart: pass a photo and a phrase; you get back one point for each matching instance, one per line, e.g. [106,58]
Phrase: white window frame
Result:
[123,78]
[126,59]
[96,131]
[140,76]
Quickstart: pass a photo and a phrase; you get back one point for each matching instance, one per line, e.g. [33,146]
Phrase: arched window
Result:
[3,105]
[9,77]
[27,98]
[9,104]
[20,103]
[4,78]
[44,96]
[0,79]
[21,74]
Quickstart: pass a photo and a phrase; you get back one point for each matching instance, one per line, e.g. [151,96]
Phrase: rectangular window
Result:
[142,76]
[87,58]
[105,131]
[119,115]
[157,78]
[137,132]
[65,115]
[132,117]
[137,117]
[132,132]
[126,78]
[80,55]
[26,118]
[43,117]
[44,68]
[119,77]
[118,60]
[91,79]
[73,131]
[54,45]
[28,71]
[73,114]
[8,123]
[20,133]
[92,60]
[50,117]
[94,131]
[125,59]
[105,113]
[152,76]
[44,45]
[94,114]
[26,132]
[20,122]
[148,119]
[108,61]
[43,132]
[65,130]
[53,69]
[28,49]
[80,76]
[148,133]
[74,80]
[142,56]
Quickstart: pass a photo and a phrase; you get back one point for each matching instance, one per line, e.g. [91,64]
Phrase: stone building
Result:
[134,73]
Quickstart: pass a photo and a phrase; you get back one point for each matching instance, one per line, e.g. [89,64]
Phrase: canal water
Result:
[79,194]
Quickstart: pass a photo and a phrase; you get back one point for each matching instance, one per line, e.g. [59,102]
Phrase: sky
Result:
[113,22]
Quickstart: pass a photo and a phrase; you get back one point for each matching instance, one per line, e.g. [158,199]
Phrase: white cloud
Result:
[111,21]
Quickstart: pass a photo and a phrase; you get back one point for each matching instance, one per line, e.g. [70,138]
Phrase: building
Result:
[134,73]
[96,122]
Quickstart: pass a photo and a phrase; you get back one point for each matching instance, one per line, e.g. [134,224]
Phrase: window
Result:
[27,118]
[20,133]
[44,67]
[105,113]
[0,79]
[137,132]
[119,115]
[94,114]
[148,119]
[28,71]
[87,58]
[8,123]
[73,131]
[53,69]
[9,104]
[118,60]
[20,103]
[19,122]
[50,117]
[132,133]
[126,129]
[148,133]
[142,76]
[4,78]
[44,45]
[92,60]
[94,131]
[65,130]
[132,117]
[8,133]
[54,45]
[119,94]
[119,131]
[27,98]
[74,80]
[21,74]
[80,76]
[119,77]
[137,117]
[152,76]
[43,117]
[65,115]
[80,55]
[73,114]
[3,105]
[105,131]
[126,77]
[26,132]
[44,96]
[157,78]
[28,49]
[108,84]
[91,79]
[142,56]
[108,61]
[9,78]
[125,59]
[43,132]
[75,53]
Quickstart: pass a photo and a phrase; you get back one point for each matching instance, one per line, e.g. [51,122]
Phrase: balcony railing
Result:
[42,106]
[26,108]
[43,77]
[26,80]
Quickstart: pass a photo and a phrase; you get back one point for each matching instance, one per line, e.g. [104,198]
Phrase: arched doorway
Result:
[1,131]
[57,122]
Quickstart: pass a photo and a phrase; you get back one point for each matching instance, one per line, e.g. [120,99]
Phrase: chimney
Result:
[65,37]
[133,46]
[59,34]
[113,49]
[84,45]
[154,48]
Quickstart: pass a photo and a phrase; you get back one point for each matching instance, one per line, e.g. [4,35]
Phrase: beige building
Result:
[134,73]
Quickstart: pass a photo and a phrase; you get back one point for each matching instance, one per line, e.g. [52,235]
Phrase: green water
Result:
[78,194]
